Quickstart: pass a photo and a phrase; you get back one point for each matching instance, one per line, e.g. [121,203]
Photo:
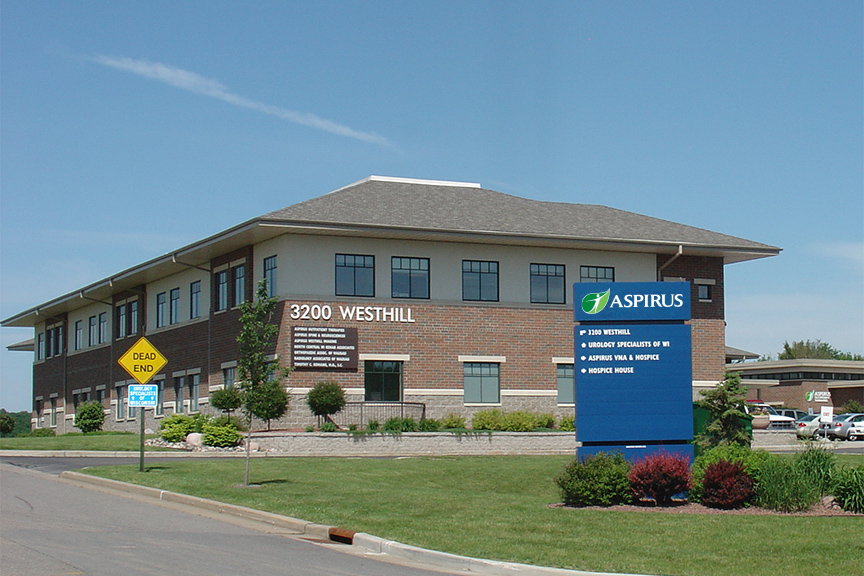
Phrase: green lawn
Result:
[104,441]
[497,508]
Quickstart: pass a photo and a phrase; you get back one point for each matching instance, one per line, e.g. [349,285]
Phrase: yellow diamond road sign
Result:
[142,361]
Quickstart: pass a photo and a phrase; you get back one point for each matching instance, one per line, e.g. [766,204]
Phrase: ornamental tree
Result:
[261,374]
[727,423]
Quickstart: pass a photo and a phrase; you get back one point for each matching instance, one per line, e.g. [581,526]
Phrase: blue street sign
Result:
[143,395]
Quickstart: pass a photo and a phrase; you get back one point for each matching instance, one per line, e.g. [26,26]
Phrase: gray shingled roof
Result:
[445,207]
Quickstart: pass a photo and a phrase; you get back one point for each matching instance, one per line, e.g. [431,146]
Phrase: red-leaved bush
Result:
[726,485]
[659,477]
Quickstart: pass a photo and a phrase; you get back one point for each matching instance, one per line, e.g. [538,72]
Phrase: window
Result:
[238,277]
[79,335]
[596,274]
[133,317]
[40,346]
[54,341]
[480,280]
[547,284]
[160,394]
[160,310]
[482,384]
[270,275]
[103,327]
[222,290]
[195,300]
[174,306]
[92,331]
[229,376]
[703,291]
[355,275]
[121,403]
[53,415]
[194,384]
[383,381]
[100,395]
[566,385]
[132,413]
[179,383]
[409,277]
[38,408]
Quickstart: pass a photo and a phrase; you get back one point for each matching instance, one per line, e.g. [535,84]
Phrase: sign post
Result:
[142,361]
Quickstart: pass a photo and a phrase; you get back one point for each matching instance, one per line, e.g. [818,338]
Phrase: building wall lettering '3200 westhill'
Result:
[455,298]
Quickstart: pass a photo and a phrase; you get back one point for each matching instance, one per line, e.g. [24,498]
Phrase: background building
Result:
[443,294]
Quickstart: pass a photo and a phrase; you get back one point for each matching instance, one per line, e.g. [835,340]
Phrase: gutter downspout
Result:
[668,262]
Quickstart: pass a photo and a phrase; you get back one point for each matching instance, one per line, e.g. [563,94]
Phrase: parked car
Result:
[792,413]
[839,428]
[777,421]
[806,426]
[856,431]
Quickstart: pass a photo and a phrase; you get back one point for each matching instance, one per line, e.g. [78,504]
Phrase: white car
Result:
[806,427]
[856,431]
[777,421]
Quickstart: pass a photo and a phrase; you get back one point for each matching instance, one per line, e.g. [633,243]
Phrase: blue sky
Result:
[128,129]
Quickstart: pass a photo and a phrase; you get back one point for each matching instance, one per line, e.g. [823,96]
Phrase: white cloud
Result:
[193,82]
[849,254]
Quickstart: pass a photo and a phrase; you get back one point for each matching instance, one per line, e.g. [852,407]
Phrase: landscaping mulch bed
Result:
[825,507]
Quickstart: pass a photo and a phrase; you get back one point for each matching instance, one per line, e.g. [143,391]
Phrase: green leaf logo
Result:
[594,303]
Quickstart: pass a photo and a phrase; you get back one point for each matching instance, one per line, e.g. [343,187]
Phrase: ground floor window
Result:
[566,386]
[482,382]
[160,394]
[194,383]
[179,384]
[121,404]
[383,381]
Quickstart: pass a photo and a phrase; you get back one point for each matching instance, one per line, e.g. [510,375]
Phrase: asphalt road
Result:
[52,527]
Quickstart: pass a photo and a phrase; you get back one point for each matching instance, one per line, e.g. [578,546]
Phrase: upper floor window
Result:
[92,331]
[174,306]
[238,277]
[480,280]
[409,277]
[596,274]
[103,327]
[40,346]
[195,300]
[355,275]
[547,284]
[54,340]
[79,335]
[270,275]
[222,290]
[127,318]
[160,310]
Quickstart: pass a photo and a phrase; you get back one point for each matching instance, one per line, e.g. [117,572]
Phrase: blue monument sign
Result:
[633,367]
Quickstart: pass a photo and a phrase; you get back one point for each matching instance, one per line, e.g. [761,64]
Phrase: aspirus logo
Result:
[594,303]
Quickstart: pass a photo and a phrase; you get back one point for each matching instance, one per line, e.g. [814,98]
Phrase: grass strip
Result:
[106,441]
[497,508]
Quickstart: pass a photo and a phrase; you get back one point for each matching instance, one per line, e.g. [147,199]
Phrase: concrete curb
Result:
[361,541]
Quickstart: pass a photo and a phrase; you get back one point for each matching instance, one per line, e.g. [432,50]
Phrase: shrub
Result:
[429,425]
[726,485]
[221,436]
[176,427]
[818,465]
[783,487]
[848,489]
[7,423]
[750,459]
[89,417]
[398,425]
[567,424]
[328,426]
[598,480]
[488,420]
[373,426]
[234,421]
[326,398]
[451,421]
[544,421]
[42,432]
[226,399]
[660,476]
[310,428]
[518,421]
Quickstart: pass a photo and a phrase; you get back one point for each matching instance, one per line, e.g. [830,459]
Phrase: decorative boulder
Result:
[195,439]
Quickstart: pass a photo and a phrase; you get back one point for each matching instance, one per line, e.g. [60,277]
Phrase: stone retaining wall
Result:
[416,443]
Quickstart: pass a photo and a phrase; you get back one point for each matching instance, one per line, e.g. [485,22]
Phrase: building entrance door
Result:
[383,381]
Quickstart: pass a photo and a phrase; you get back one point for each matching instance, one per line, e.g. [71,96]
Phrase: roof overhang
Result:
[199,255]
